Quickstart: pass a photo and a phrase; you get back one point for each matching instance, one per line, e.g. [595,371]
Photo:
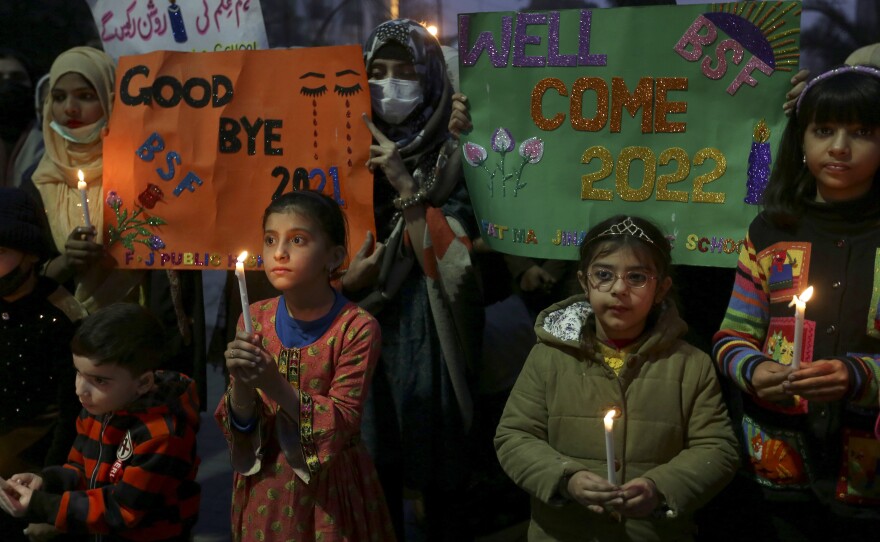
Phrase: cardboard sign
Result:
[133,27]
[672,113]
[200,143]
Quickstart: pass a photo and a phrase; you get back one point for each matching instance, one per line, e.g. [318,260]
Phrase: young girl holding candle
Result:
[619,349]
[809,457]
[292,413]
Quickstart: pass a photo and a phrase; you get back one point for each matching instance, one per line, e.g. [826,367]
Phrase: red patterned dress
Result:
[310,479]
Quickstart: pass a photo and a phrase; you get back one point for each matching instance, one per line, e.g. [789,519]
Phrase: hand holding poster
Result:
[200,143]
[667,112]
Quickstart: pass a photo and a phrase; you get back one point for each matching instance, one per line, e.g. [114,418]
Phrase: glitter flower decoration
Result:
[474,154]
[113,200]
[155,242]
[531,151]
[502,140]
[134,227]
[150,196]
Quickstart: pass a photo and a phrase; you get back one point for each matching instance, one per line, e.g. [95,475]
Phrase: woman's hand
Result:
[594,492]
[384,155]
[363,271]
[640,498]
[767,381]
[80,251]
[823,380]
[460,118]
[536,278]
[798,82]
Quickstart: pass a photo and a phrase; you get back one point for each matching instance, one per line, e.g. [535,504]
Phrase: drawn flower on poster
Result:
[137,226]
[531,151]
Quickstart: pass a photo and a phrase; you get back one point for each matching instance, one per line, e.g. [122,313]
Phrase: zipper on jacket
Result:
[94,475]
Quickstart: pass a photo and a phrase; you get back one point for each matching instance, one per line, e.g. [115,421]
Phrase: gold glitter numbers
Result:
[681,172]
[624,187]
[627,155]
[706,178]
[587,190]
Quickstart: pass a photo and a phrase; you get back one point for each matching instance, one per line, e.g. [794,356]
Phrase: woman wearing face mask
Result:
[74,120]
[75,116]
[419,281]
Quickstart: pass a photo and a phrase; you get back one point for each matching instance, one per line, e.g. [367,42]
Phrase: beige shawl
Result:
[56,178]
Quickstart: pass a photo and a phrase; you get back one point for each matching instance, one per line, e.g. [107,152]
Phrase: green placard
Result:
[668,112]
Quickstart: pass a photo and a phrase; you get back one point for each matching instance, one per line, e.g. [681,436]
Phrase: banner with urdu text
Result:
[672,113]
[200,143]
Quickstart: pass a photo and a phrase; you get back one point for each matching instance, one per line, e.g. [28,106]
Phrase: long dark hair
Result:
[646,242]
[846,97]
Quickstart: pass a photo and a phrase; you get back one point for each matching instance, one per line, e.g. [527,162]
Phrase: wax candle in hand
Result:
[84,197]
[609,444]
[800,306]
[242,290]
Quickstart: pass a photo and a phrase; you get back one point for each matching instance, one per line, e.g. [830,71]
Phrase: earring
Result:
[805,159]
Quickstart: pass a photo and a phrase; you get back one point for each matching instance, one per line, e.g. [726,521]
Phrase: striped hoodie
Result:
[130,474]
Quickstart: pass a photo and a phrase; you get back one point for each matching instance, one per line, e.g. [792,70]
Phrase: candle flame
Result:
[803,298]
[80,175]
[609,419]
[806,294]
[242,257]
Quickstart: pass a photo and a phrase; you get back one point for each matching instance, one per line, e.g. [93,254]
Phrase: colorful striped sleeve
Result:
[737,345]
[864,379]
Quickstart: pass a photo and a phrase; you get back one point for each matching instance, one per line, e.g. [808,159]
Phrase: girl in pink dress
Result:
[292,413]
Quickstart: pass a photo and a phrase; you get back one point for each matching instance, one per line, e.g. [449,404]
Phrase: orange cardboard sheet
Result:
[200,142]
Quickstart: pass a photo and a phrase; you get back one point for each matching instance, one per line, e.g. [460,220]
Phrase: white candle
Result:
[609,444]
[800,306]
[84,197]
[242,290]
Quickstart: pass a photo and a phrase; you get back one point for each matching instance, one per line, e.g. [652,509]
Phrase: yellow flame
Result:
[242,257]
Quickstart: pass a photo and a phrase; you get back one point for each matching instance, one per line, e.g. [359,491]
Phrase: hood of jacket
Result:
[561,324]
[174,394]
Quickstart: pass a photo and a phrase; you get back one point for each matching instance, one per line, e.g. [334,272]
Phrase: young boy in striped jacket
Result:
[130,474]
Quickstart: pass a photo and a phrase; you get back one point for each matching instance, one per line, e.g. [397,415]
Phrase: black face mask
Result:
[16,109]
[12,281]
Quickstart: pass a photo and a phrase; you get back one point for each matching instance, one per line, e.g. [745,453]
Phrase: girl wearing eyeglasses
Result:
[620,351]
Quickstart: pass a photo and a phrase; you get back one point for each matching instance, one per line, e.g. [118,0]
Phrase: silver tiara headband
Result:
[626,227]
[867,70]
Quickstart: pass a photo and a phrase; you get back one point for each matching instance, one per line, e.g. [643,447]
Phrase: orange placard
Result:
[200,142]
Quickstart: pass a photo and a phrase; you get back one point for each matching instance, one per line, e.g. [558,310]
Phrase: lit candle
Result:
[800,305]
[609,444]
[84,197]
[242,290]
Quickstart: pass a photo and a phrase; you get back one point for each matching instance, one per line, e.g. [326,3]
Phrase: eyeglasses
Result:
[604,279]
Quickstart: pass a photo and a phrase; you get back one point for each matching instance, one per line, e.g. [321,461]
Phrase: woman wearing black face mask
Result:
[419,281]
[16,111]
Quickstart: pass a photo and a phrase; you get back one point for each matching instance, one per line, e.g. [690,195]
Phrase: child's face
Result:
[297,254]
[75,102]
[107,387]
[843,158]
[621,312]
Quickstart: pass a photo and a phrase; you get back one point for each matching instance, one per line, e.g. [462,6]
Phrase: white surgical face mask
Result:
[395,99]
[83,134]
